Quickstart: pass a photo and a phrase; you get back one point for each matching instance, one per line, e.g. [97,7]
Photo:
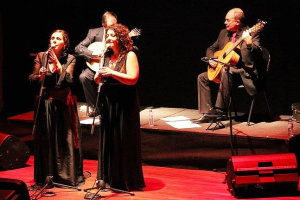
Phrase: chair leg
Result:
[250,112]
[268,104]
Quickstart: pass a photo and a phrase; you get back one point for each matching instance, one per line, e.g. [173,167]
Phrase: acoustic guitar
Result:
[227,56]
[93,61]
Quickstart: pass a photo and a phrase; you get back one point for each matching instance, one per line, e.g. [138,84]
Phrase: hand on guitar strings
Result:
[213,63]
[247,38]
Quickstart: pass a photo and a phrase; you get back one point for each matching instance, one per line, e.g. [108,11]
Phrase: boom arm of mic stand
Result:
[207,59]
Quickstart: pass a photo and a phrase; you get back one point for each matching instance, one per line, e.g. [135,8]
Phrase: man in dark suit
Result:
[246,66]
[86,78]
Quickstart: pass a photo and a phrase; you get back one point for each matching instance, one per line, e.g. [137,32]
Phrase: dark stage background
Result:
[174,38]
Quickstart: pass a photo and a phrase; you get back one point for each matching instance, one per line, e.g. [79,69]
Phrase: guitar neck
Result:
[233,46]
[257,27]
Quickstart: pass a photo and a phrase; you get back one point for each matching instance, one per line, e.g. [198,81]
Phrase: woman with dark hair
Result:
[57,134]
[120,161]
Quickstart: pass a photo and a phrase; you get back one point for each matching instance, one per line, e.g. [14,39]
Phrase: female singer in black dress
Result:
[57,134]
[120,161]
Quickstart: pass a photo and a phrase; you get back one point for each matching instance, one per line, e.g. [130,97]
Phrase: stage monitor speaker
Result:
[262,172]
[13,152]
[11,189]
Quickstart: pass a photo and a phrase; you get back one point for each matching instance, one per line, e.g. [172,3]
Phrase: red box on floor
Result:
[260,170]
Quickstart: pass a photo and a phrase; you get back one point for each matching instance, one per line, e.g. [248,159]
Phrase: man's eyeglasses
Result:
[228,21]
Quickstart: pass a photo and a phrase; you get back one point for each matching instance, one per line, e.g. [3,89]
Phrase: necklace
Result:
[112,65]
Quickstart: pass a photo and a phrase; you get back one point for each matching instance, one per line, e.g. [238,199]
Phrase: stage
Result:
[181,159]
[198,147]
[177,142]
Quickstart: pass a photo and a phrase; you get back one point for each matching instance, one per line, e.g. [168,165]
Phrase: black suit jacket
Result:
[94,35]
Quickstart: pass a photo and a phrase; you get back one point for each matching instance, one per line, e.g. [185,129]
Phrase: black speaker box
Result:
[262,172]
[13,152]
[11,189]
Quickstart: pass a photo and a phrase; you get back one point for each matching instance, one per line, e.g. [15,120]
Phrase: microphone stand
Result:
[98,94]
[101,186]
[49,184]
[207,59]
[99,89]
[229,111]
[40,93]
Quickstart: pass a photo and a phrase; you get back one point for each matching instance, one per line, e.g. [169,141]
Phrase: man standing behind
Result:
[86,78]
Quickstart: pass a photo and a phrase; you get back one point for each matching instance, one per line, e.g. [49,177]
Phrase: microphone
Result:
[106,49]
[51,47]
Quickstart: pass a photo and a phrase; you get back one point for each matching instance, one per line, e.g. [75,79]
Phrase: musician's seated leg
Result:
[223,96]
[204,93]
[89,86]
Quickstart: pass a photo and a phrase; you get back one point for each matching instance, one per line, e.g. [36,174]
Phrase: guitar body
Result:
[94,62]
[232,58]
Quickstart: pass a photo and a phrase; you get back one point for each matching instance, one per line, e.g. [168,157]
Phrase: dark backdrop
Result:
[174,38]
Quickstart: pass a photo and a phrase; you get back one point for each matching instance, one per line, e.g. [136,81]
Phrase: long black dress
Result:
[120,161]
[57,136]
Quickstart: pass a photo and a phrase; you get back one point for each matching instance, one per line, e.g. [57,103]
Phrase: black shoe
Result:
[217,111]
[224,118]
[92,113]
[202,119]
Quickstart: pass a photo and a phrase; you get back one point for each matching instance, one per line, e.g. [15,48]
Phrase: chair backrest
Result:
[263,69]
[266,56]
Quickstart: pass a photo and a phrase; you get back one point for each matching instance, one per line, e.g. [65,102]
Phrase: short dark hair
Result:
[65,36]
[106,15]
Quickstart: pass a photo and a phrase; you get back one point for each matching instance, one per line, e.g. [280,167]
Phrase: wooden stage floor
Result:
[181,160]
[161,183]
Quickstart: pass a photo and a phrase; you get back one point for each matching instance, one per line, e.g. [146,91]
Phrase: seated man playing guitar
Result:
[236,49]
[86,78]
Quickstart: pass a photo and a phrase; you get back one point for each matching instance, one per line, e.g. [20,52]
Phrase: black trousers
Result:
[90,87]
[204,92]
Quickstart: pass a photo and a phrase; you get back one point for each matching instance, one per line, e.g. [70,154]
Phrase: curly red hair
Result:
[122,33]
